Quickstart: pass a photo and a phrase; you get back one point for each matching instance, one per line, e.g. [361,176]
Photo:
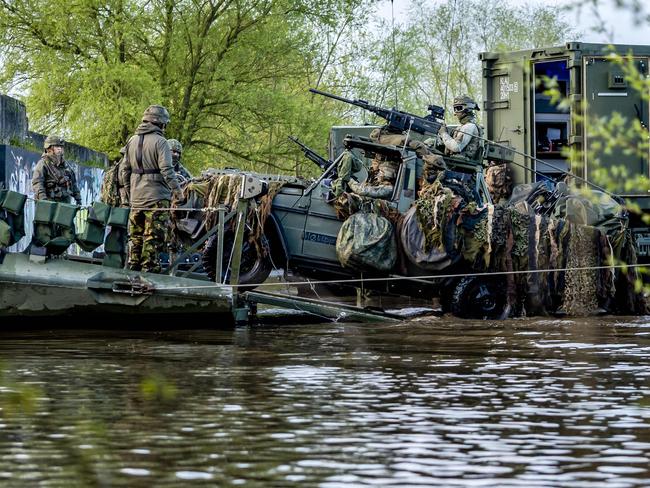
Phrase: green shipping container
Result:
[516,111]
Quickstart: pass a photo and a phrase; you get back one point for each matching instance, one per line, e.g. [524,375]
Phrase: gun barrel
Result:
[329,95]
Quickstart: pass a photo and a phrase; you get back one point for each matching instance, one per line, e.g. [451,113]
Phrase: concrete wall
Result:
[17,164]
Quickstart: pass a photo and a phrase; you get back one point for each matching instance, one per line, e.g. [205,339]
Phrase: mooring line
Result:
[419,278]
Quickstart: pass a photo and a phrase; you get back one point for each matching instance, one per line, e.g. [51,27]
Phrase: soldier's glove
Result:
[442,130]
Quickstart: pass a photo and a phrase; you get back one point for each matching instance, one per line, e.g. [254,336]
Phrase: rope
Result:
[421,278]
[161,209]
[567,173]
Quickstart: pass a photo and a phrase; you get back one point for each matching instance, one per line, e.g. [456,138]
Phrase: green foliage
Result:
[434,56]
[233,74]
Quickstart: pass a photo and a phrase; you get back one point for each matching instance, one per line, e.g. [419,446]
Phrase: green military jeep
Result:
[301,231]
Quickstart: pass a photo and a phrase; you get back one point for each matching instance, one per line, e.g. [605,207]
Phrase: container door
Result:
[607,92]
[505,87]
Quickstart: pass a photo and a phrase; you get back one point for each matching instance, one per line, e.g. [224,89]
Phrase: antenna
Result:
[392,22]
[450,32]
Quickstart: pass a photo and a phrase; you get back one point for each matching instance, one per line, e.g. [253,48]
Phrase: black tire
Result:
[254,269]
[479,297]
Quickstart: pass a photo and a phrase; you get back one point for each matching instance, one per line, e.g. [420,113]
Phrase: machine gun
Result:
[398,120]
[312,155]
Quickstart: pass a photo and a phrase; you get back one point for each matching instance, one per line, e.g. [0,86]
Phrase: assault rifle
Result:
[398,120]
[312,155]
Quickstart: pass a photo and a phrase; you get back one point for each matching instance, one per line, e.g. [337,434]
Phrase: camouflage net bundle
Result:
[512,238]
[366,241]
[212,190]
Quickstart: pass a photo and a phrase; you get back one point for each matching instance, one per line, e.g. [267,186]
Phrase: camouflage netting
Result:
[366,241]
[212,190]
[511,237]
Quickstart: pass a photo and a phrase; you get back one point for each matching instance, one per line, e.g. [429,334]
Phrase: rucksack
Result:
[110,190]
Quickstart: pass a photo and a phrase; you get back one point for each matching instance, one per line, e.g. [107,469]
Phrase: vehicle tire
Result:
[479,297]
[254,269]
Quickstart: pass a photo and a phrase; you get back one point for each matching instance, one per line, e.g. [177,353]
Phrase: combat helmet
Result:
[464,104]
[53,140]
[175,145]
[156,114]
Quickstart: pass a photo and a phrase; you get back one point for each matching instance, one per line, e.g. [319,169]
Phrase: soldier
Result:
[148,178]
[53,178]
[177,151]
[383,169]
[463,141]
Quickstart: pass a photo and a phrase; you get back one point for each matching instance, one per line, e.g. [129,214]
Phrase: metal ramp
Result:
[322,308]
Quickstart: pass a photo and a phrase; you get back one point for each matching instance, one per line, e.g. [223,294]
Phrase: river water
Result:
[426,402]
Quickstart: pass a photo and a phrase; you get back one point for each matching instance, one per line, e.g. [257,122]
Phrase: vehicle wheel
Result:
[479,298]
[254,268]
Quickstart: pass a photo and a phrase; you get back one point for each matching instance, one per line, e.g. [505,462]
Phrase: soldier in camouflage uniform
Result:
[177,152]
[148,177]
[383,169]
[464,141]
[53,178]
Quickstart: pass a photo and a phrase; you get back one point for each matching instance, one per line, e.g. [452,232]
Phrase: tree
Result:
[434,56]
[232,73]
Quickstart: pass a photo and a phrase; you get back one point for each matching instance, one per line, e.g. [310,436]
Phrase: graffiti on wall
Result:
[19,167]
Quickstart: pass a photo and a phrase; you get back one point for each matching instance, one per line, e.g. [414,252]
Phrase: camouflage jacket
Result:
[153,179]
[463,140]
[54,180]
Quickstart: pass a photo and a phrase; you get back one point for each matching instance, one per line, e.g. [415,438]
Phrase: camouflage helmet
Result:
[156,114]
[464,103]
[174,145]
[53,140]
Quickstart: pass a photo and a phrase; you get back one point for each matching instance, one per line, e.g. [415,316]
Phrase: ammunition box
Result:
[44,213]
[99,212]
[64,214]
[92,236]
[13,202]
[119,217]
[115,242]
[5,234]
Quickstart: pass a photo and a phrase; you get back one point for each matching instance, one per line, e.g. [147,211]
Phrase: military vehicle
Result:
[301,232]
[518,111]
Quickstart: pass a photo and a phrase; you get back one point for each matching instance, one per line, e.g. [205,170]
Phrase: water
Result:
[427,402]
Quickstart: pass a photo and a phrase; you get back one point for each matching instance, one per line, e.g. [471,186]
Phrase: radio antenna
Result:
[450,34]
[392,22]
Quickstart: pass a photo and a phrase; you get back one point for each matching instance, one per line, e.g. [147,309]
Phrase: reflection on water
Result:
[426,402]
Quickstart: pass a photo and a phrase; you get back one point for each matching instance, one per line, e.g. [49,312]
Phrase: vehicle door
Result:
[608,91]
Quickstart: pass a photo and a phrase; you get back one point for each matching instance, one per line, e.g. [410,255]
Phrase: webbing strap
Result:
[138,152]
[138,159]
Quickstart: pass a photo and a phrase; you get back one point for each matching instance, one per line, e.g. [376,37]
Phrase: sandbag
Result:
[366,241]
[414,245]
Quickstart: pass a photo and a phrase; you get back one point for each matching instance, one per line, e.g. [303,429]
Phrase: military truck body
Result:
[519,113]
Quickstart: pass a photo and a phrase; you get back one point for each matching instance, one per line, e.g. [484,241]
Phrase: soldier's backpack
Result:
[110,190]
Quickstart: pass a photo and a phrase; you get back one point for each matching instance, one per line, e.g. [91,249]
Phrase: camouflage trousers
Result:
[147,235]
